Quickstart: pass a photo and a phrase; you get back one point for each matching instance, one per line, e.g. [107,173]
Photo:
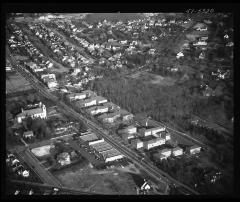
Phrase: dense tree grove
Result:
[161,102]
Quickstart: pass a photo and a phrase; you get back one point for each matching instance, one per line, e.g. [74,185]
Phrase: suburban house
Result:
[63,159]
[200,27]
[194,149]
[179,55]
[51,82]
[177,151]
[39,112]
[28,134]
[166,152]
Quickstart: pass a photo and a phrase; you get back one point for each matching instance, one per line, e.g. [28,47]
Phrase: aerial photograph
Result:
[119,103]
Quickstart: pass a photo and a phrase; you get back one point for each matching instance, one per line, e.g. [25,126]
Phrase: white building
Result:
[76,96]
[48,76]
[136,143]
[152,131]
[179,55]
[200,43]
[177,151]
[110,118]
[194,149]
[97,110]
[64,159]
[28,134]
[154,143]
[166,152]
[111,155]
[100,100]
[87,102]
[39,112]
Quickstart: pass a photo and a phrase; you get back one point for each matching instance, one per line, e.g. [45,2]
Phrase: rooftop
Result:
[31,112]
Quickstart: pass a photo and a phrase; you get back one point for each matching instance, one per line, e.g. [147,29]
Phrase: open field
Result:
[154,79]
[87,178]
[15,83]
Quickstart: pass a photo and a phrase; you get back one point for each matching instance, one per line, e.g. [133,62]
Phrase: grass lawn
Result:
[16,82]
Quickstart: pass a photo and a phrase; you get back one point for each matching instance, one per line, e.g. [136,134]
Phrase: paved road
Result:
[49,187]
[35,165]
[150,169]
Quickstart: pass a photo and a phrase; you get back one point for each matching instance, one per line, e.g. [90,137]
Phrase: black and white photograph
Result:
[119,103]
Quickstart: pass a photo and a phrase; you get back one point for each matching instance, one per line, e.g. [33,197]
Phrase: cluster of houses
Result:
[199,40]
[95,49]
[67,53]
[17,40]
[50,80]
[15,166]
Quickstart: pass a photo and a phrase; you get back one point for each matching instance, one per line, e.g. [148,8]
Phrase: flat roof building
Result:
[109,118]
[100,100]
[89,137]
[154,143]
[76,96]
[86,103]
[136,143]
[97,110]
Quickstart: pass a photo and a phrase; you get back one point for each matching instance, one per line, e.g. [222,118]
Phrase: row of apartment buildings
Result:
[96,105]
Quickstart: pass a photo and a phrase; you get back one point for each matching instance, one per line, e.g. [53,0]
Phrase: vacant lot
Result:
[154,79]
[87,179]
[15,82]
